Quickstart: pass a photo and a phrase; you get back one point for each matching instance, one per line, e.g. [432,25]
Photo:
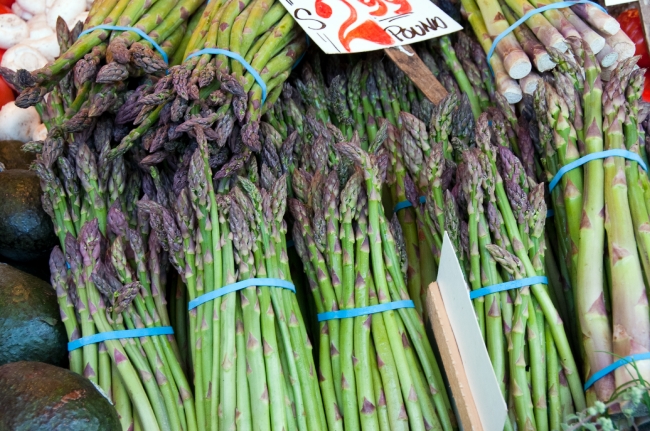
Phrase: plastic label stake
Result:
[483,384]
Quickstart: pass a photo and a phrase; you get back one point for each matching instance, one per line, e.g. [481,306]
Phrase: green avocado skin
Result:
[13,157]
[26,231]
[30,320]
[41,397]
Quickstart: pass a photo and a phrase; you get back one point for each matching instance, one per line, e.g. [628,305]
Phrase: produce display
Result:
[248,229]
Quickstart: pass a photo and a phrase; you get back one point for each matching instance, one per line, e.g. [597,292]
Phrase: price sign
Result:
[347,26]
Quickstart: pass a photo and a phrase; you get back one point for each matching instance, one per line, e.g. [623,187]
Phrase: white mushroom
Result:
[32,6]
[66,9]
[16,123]
[22,13]
[38,27]
[13,30]
[48,46]
[23,56]
[39,133]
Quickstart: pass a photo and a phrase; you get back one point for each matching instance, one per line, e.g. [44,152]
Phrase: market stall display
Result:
[248,228]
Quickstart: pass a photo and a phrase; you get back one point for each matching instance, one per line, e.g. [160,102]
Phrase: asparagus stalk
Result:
[513,57]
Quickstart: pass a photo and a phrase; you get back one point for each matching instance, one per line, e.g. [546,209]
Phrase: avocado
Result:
[13,157]
[30,321]
[36,396]
[26,231]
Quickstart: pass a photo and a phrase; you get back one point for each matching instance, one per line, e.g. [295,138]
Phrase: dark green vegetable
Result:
[26,231]
[37,396]
[30,324]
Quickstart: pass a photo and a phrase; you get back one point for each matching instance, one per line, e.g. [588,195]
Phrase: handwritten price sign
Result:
[346,26]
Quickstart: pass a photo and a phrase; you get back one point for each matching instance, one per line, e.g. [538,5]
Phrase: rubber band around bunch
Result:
[628,360]
[364,311]
[139,32]
[237,58]
[508,285]
[524,18]
[408,204]
[262,282]
[550,213]
[119,335]
[595,156]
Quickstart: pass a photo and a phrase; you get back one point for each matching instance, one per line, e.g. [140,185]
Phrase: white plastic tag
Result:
[346,26]
[483,383]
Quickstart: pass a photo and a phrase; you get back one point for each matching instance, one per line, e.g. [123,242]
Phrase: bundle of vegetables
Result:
[251,356]
[494,213]
[353,92]
[532,43]
[210,87]
[600,208]
[110,275]
[165,23]
[377,371]
[355,96]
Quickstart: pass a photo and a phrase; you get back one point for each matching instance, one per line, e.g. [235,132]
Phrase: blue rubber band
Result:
[509,285]
[139,32]
[560,5]
[402,205]
[270,282]
[595,156]
[238,58]
[407,204]
[363,311]
[550,213]
[119,335]
[620,363]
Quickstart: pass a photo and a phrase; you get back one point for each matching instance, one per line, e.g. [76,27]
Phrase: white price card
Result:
[615,2]
[347,26]
[483,383]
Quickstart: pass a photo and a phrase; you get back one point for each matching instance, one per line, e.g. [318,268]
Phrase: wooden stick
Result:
[411,64]
[452,361]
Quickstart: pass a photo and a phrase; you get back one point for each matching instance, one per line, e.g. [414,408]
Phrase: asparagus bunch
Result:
[250,352]
[354,92]
[215,90]
[599,208]
[107,273]
[516,212]
[554,29]
[82,59]
[377,371]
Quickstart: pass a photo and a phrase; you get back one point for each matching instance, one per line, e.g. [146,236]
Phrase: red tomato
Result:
[2,53]
[6,94]
[631,25]
[646,88]
[5,6]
